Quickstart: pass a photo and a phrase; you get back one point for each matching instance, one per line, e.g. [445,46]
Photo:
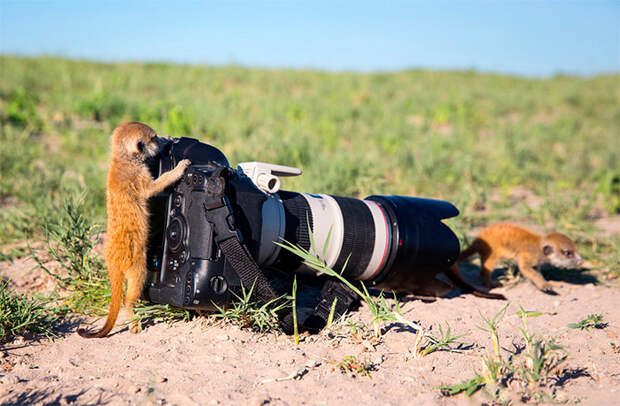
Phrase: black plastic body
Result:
[186,270]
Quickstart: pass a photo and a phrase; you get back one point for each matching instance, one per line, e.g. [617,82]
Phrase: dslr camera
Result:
[218,229]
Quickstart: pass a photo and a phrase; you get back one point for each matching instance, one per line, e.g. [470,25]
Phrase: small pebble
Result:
[259,401]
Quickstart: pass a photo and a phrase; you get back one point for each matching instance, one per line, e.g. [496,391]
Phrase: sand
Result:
[204,363]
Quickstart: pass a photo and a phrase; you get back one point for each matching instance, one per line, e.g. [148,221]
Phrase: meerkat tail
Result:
[453,274]
[115,307]
[488,295]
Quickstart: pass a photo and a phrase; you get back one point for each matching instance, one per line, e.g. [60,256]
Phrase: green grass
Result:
[246,312]
[462,136]
[380,310]
[466,137]
[443,342]
[23,315]
[528,374]
[592,321]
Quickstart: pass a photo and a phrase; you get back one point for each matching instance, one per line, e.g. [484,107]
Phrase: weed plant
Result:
[379,309]
[592,321]
[531,373]
[22,314]
[247,312]
[79,272]
[354,366]
[443,342]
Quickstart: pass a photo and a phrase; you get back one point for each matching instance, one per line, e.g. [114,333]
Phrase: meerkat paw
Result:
[179,170]
[548,289]
[135,327]
[490,283]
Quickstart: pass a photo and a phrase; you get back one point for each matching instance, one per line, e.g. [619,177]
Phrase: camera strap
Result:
[334,294]
[219,214]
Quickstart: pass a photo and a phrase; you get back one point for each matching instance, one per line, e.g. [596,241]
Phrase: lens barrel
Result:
[368,239]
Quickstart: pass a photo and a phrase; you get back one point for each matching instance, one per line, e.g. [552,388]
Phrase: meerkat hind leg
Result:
[487,265]
[135,283]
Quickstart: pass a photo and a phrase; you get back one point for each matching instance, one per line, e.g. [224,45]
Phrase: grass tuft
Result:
[592,321]
[353,366]
[22,314]
[381,312]
[248,313]
[532,373]
[78,271]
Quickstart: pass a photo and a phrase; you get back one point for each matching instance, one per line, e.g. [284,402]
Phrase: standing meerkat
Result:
[129,185]
[506,241]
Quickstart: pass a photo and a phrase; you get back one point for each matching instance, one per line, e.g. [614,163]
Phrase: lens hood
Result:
[420,240]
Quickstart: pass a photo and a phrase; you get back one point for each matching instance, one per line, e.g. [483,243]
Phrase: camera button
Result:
[218,284]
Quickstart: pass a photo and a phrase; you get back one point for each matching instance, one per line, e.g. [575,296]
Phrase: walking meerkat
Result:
[129,185]
[530,250]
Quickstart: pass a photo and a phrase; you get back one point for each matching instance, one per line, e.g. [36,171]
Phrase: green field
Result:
[466,137]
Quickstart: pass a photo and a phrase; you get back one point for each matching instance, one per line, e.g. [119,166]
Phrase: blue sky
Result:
[534,38]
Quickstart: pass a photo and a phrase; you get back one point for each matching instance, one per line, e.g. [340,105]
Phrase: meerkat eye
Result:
[140,146]
[568,253]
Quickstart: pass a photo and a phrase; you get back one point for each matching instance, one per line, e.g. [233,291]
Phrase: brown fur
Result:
[129,185]
[530,250]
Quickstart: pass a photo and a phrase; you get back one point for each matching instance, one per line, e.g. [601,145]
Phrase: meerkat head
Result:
[560,251]
[134,141]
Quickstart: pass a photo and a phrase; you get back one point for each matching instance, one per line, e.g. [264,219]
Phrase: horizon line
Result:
[232,63]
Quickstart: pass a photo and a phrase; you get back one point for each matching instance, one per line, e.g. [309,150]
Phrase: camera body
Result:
[186,267]
[390,242]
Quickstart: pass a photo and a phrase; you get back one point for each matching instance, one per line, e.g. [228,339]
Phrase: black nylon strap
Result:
[247,270]
[219,214]
[332,290]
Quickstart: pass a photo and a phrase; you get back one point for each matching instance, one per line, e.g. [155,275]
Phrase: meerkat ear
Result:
[547,250]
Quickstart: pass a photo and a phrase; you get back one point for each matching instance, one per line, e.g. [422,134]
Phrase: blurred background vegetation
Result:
[542,152]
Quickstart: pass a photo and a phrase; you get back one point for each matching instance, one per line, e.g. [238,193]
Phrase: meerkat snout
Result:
[561,252]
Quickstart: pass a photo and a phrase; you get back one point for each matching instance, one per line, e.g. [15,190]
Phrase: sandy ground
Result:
[199,363]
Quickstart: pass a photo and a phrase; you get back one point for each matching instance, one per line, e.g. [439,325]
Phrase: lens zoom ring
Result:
[297,214]
[359,236]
